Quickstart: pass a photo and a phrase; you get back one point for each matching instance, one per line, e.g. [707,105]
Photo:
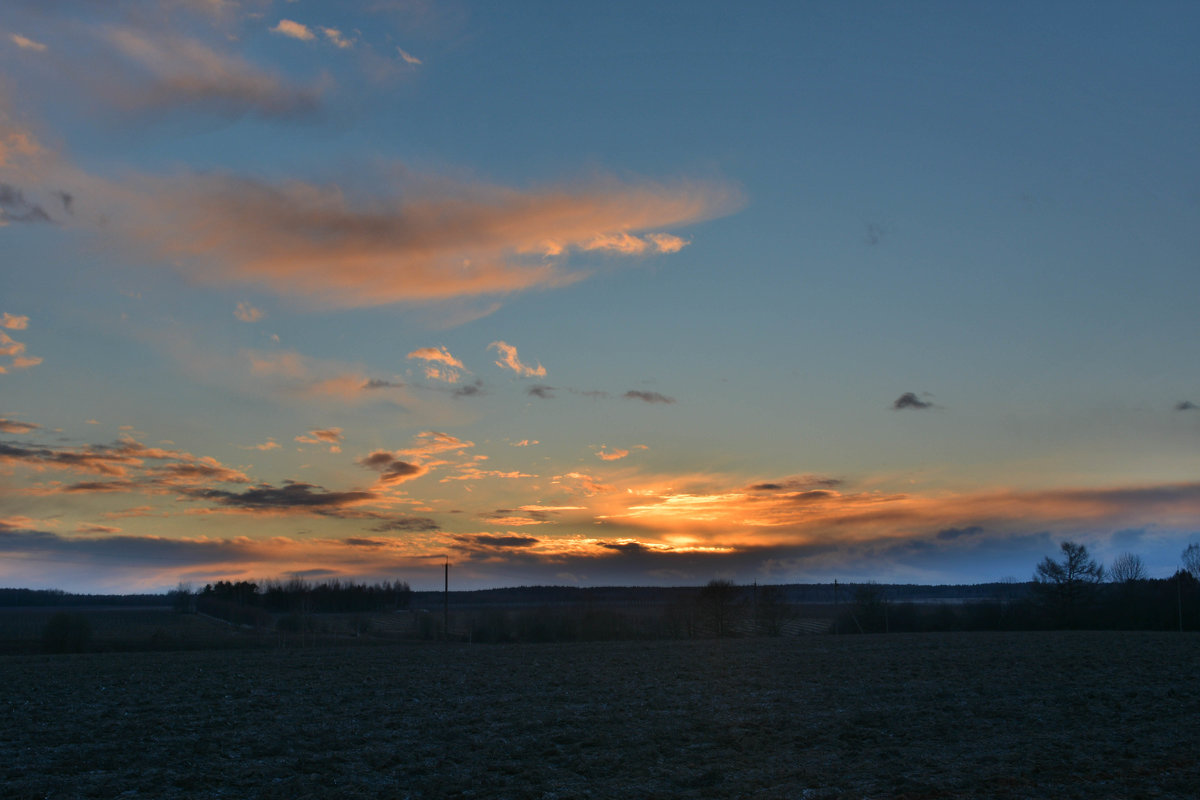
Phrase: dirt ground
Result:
[1016,715]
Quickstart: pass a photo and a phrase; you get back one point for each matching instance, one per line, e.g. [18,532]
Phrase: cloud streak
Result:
[173,71]
[422,241]
[648,397]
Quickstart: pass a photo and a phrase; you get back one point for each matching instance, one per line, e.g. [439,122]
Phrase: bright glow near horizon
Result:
[594,294]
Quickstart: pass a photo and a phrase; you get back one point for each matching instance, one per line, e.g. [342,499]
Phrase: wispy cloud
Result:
[438,354]
[1186,405]
[16,426]
[510,360]
[648,397]
[421,241]
[627,244]
[541,390]
[440,364]
[407,57]
[13,322]
[616,454]
[406,524]
[179,72]
[291,497]
[13,350]
[247,313]
[14,207]
[429,443]
[337,39]
[330,436]
[136,466]
[471,389]
[25,43]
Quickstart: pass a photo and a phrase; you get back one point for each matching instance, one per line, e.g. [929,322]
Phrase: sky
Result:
[595,293]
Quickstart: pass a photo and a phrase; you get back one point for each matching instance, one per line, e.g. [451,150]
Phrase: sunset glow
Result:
[571,294]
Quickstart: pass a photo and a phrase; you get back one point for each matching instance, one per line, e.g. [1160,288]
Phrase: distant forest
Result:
[1071,591]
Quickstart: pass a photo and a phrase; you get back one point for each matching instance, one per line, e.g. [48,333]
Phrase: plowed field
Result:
[1086,715]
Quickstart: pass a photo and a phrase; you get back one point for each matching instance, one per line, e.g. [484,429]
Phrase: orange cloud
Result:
[440,354]
[629,245]
[15,350]
[13,322]
[432,241]
[611,455]
[16,426]
[510,360]
[330,436]
[450,369]
[26,43]
[294,30]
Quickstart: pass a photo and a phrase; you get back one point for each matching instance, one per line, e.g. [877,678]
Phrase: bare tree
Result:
[1127,568]
[1068,585]
[1191,560]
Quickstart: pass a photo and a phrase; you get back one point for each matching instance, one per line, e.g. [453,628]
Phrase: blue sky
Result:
[593,294]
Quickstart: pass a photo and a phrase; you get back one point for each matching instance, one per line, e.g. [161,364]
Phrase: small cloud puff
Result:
[337,39]
[13,322]
[408,58]
[330,436]
[295,30]
[248,313]
[390,468]
[605,454]
[510,360]
[910,400]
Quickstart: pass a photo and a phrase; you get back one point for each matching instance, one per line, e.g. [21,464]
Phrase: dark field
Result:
[936,715]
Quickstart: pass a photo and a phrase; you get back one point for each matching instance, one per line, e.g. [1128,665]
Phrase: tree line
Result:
[252,603]
[1071,591]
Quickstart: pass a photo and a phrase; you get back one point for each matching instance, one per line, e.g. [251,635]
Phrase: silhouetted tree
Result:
[717,602]
[1191,560]
[1068,586]
[1127,568]
[182,598]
